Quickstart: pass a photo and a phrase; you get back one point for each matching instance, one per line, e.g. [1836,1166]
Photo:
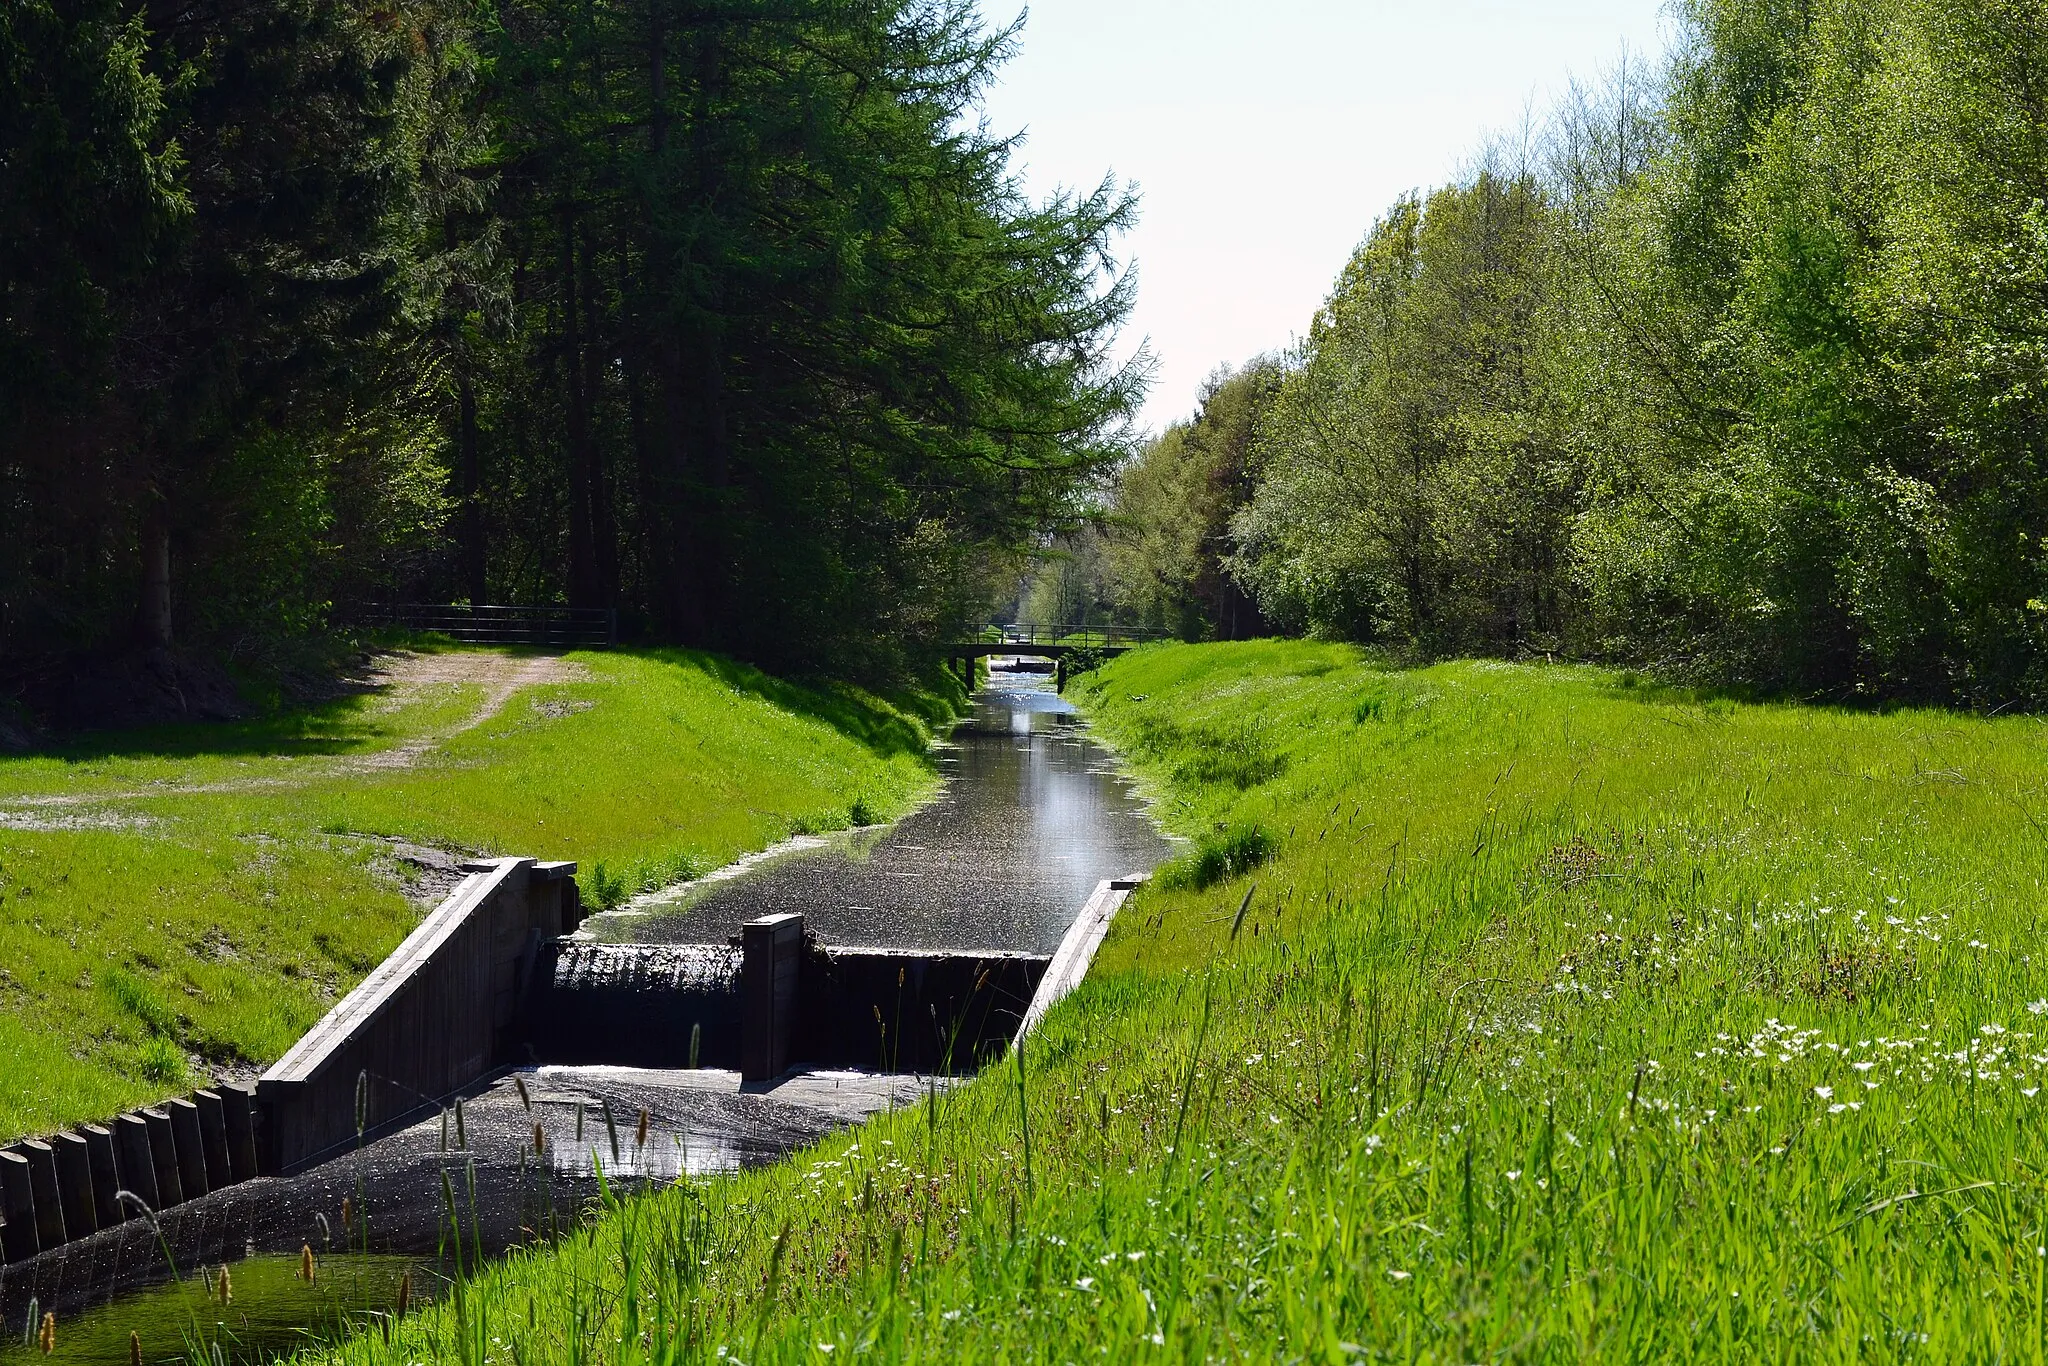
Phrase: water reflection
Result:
[522,1163]
[269,1310]
[1032,816]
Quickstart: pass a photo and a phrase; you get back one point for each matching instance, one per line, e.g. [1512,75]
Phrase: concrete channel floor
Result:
[699,1122]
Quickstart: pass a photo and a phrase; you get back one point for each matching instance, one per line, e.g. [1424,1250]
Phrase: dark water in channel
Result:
[370,1217]
[1032,816]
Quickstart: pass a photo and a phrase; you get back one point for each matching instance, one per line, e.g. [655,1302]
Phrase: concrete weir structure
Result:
[439,1015]
[492,979]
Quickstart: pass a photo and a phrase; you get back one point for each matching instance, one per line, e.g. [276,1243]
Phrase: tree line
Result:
[1735,367]
[727,313]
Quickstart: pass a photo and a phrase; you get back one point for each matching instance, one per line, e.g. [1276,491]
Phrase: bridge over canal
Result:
[1059,643]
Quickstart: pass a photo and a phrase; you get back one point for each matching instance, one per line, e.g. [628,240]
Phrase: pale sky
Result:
[1265,138]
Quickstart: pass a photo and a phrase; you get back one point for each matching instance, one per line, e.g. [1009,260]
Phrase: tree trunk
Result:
[650,542]
[661,448]
[470,477]
[584,590]
[153,609]
[682,602]
[603,529]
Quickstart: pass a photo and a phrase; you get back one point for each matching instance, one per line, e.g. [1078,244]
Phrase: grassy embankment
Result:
[208,891]
[1569,1020]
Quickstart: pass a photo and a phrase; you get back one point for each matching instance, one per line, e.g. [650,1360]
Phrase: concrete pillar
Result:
[18,1241]
[239,1113]
[74,1185]
[191,1148]
[163,1159]
[106,1174]
[42,1182]
[213,1138]
[135,1163]
[771,957]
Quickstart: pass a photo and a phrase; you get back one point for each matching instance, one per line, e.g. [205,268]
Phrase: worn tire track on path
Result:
[399,676]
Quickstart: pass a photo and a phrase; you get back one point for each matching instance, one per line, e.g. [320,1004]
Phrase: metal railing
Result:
[1073,635]
[496,624]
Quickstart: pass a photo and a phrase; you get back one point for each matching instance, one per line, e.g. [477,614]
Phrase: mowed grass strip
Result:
[1568,1020]
[207,892]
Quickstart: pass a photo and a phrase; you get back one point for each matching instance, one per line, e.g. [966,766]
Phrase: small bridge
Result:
[1055,642]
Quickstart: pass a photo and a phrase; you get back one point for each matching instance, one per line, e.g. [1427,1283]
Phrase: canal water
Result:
[1032,815]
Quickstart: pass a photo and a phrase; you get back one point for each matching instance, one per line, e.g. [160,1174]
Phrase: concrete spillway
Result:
[887,1010]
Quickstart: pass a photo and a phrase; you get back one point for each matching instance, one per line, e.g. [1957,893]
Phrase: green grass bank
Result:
[1569,1020]
[197,896]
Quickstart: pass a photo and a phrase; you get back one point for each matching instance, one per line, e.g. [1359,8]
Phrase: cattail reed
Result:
[540,1139]
[611,1127]
[404,1292]
[135,1349]
[519,1085]
[306,1263]
[362,1102]
[348,1215]
[28,1329]
[640,1137]
[579,1124]
[224,1288]
[47,1339]
[696,1037]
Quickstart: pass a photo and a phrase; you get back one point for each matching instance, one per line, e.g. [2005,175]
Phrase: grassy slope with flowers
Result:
[1568,1021]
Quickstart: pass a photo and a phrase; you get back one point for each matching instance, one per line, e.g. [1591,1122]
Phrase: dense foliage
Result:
[727,314]
[1737,371]
[1156,555]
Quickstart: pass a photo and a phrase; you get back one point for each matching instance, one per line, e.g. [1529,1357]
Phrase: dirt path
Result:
[402,674]
[500,676]
[399,677]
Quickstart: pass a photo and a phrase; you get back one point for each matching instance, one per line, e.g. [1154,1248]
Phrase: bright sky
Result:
[1265,138]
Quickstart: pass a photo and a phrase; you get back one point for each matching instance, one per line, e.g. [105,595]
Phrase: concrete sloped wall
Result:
[435,1017]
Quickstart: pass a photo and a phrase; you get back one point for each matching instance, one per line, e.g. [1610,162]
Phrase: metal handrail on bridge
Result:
[1071,636]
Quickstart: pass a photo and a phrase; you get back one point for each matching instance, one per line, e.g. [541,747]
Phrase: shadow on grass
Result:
[340,724]
[854,715]
[335,726]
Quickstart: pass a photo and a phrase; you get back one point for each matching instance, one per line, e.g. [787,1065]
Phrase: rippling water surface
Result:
[1032,816]
[1034,813]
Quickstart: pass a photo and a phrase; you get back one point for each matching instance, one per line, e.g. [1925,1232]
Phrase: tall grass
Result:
[1568,1021]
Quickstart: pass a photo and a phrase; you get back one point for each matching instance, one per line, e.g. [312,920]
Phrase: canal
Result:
[1031,816]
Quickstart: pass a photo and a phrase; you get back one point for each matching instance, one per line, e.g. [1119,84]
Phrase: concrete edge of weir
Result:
[441,1017]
